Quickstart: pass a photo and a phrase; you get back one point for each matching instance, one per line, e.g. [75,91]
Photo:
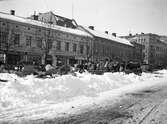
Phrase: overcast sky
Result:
[120,16]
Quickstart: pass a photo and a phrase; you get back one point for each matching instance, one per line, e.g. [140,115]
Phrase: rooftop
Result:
[42,24]
[60,20]
[107,36]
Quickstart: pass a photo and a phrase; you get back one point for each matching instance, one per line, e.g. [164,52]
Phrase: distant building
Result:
[107,46]
[163,38]
[154,50]
[23,39]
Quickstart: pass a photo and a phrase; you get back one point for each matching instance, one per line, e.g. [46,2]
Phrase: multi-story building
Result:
[49,38]
[103,46]
[107,46]
[154,50]
[23,39]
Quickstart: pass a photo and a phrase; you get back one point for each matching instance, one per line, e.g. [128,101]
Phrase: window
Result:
[28,40]
[81,49]
[49,43]
[143,46]
[16,39]
[67,46]
[39,42]
[58,46]
[74,47]
[152,48]
[87,49]
[3,37]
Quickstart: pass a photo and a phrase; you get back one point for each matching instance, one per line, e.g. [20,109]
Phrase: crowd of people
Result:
[110,66]
[98,67]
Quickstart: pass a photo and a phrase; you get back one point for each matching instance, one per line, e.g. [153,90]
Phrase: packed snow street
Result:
[84,98]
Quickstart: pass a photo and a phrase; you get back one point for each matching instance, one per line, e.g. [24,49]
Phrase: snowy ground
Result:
[30,98]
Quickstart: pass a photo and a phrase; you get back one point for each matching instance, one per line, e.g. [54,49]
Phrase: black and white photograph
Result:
[83,61]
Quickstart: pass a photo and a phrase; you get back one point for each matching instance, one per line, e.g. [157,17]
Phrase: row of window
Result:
[16,26]
[15,38]
[39,30]
[16,41]
[160,49]
[156,55]
[74,47]
[59,46]
[112,51]
[141,40]
[3,37]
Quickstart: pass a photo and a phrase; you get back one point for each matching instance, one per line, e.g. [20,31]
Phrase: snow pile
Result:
[29,91]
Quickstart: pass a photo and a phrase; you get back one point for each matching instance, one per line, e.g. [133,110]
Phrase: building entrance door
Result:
[13,59]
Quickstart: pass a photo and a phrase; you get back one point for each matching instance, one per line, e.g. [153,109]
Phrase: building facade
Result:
[154,50]
[107,46]
[23,39]
[49,41]
[103,46]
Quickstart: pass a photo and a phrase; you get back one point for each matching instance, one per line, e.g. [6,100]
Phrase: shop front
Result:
[62,60]
[23,57]
[49,59]
[2,57]
[14,58]
[80,60]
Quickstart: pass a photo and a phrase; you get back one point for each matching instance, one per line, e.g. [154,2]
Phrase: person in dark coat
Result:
[65,69]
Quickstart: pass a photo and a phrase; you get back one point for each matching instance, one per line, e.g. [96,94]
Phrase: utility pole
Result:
[72,9]
[46,42]
[7,44]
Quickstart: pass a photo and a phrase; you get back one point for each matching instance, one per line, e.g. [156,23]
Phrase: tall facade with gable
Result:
[51,18]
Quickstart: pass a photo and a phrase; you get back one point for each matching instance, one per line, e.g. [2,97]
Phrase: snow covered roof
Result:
[163,39]
[42,24]
[107,36]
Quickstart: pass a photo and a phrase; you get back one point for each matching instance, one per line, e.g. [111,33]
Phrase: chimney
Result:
[91,27]
[12,12]
[106,32]
[114,34]
[35,17]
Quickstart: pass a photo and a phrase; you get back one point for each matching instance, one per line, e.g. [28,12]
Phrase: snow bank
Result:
[29,91]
